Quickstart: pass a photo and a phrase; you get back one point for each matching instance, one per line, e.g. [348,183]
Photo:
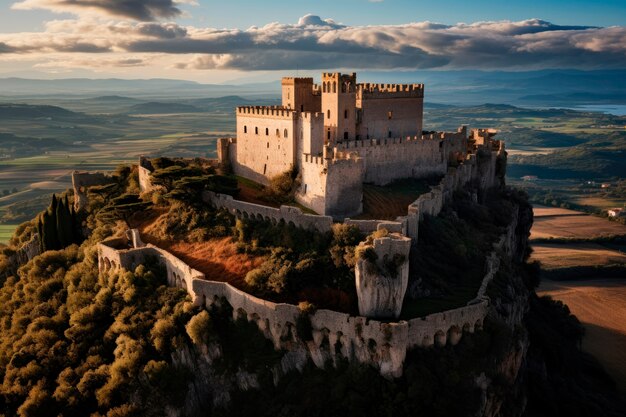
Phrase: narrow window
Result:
[328,114]
[328,135]
[334,86]
[343,87]
[245,129]
[345,114]
[285,134]
[389,115]
[268,145]
[264,169]
[301,107]
[267,131]
[256,130]
[277,133]
[390,133]
[304,189]
[345,135]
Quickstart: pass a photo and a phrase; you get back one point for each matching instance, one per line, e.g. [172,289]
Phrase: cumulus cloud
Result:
[316,43]
[145,10]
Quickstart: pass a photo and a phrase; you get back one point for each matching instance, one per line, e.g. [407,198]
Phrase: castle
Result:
[339,135]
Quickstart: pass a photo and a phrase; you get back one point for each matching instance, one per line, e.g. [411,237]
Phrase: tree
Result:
[123,208]
[189,189]
[166,177]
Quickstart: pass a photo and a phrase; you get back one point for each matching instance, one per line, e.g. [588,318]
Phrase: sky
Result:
[211,41]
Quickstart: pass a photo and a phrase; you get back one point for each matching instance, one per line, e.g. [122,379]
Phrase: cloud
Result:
[316,43]
[97,65]
[144,10]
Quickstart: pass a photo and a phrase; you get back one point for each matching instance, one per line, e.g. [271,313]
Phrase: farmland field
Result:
[600,305]
[559,223]
[6,231]
[568,255]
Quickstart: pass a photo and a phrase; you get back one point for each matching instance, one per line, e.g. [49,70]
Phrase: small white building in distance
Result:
[340,134]
[616,212]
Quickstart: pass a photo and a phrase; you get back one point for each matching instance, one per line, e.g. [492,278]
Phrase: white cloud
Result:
[316,43]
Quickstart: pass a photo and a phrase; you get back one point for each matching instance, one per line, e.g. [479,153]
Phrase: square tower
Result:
[300,94]
[339,106]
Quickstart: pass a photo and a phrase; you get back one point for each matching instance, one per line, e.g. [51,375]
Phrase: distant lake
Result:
[615,109]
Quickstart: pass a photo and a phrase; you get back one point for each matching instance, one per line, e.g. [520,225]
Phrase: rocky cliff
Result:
[487,368]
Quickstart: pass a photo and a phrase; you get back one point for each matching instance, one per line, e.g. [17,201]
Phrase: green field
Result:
[6,231]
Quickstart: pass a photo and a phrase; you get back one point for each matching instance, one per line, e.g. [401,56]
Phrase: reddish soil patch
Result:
[217,259]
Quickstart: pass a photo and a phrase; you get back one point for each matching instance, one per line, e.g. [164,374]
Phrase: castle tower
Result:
[301,94]
[339,106]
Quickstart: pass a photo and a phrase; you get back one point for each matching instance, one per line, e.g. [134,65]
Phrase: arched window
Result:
[256,130]
[343,87]
[334,86]
[323,87]
[345,114]
[277,133]
[390,133]
[267,131]
[285,135]
[328,114]
[245,129]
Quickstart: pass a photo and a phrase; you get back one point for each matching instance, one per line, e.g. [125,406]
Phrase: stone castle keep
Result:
[339,135]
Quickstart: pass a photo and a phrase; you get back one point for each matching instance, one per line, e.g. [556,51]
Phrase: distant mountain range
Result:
[536,88]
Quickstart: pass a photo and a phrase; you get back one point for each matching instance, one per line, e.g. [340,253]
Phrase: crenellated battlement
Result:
[307,115]
[371,90]
[266,111]
[312,159]
[297,80]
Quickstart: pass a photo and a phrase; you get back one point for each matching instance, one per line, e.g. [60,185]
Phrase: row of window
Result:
[328,86]
[267,132]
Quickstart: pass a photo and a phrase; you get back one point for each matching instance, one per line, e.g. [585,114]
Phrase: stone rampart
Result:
[334,335]
[82,180]
[144,171]
[22,255]
[387,160]
[287,214]
[369,226]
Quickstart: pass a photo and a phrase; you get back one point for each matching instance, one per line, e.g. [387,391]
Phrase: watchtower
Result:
[300,94]
[339,106]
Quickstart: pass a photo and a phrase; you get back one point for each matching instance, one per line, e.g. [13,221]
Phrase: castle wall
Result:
[389,159]
[390,110]
[266,142]
[81,180]
[287,214]
[335,335]
[344,187]
[22,255]
[369,226]
[313,175]
[144,171]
